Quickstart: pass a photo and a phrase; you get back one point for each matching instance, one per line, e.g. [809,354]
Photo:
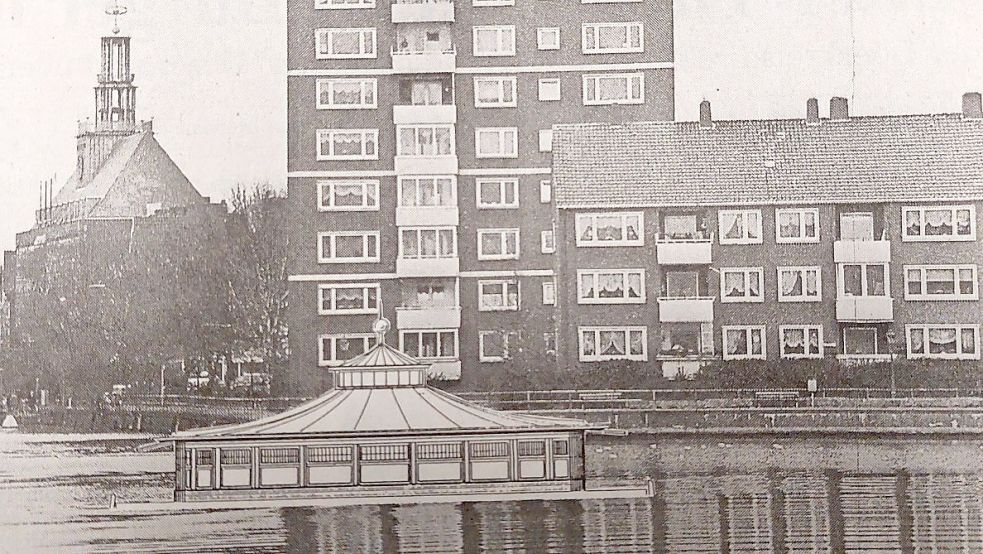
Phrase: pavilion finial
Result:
[381,327]
[116,10]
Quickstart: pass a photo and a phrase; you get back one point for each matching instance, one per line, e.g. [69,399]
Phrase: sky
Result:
[211,73]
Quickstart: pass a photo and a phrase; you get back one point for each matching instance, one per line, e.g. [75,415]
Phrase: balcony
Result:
[862,251]
[425,165]
[423,216]
[417,115]
[696,309]
[865,308]
[676,251]
[428,267]
[428,317]
[423,11]
[435,61]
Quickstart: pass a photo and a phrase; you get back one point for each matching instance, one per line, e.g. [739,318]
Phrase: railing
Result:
[699,238]
[396,51]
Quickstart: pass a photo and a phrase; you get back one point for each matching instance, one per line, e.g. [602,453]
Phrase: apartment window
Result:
[343,4]
[548,38]
[863,280]
[345,43]
[685,340]
[498,244]
[952,342]
[941,282]
[495,346]
[545,192]
[610,229]
[619,88]
[620,286]
[348,196]
[547,242]
[347,144]
[335,349]
[860,341]
[598,344]
[430,295]
[348,299]
[797,225]
[496,142]
[939,223]
[741,284]
[494,40]
[546,140]
[612,38]
[441,343]
[425,140]
[494,92]
[423,243]
[497,193]
[427,191]
[745,342]
[801,341]
[549,90]
[549,293]
[739,226]
[799,284]
[498,295]
[346,94]
[341,247]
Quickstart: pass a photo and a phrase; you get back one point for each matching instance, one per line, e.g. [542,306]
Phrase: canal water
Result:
[769,495]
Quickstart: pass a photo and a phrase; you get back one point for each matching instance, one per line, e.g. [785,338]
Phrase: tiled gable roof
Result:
[873,159]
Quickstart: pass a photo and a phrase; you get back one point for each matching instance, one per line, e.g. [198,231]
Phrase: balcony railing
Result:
[428,317]
[686,250]
[424,61]
[425,165]
[423,11]
[428,267]
[865,308]
[421,216]
[424,114]
[862,251]
[690,309]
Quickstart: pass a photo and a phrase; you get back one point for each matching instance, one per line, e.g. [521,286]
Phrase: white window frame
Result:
[746,273]
[503,185]
[505,306]
[627,49]
[328,5]
[549,292]
[330,289]
[841,282]
[543,41]
[806,329]
[503,233]
[404,181]
[925,296]
[627,330]
[502,133]
[801,270]
[367,84]
[598,77]
[905,237]
[328,134]
[367,237]
[801,212]
[547,82]
[958,355]
[419,242]
[595,243]
[545,191]
[421,332]
[546,140]
[433,128]
[507,337]
[325,195]
[325,36]
[505,48]
[547,242]
[624,299]
[749,330]
[746,239]
[322,361]
[504,84]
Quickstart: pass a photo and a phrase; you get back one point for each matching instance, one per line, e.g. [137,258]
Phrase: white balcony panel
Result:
[423,12]
[682,253]
[424,62]
[686,310]
[862,251]
[417,115]
[428,267]
[423,216]
[450,370]
[425,165]
[864,308]
[862,359]
[428,318]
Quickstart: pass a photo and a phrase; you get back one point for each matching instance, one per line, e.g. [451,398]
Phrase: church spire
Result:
[116,95]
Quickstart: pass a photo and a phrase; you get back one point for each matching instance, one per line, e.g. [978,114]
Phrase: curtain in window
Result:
[875,280]
[427,192]
[634,285]
[938,222]
[736,342]
[734,285]
[491,244]
[794,340]
[788,224]
[810,224]
[942,341]
[587,286]
[346,43]
[968,341]
[917,341]
[425,142]
[940,281]
[967,283]
[428,345]
[636,346]
[347,93]
[964,224]
[510,243]
[347,144]
[612,343]
[615,88]
[587,343]
[487,92]
[513,292]
[445,195]
[347,195]
[428,244]
[679,226]
[812,283]
[814,341]
[348,247]
[446,237]
[408,197]
[756,347]
[613,36]
[348,299]
[610,285]
[410,245]
[407,140]
[443,139]
[791,283]
[852,280]
[426,93]
[734,225]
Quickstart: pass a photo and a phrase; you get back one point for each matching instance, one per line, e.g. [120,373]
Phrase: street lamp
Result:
[891,338]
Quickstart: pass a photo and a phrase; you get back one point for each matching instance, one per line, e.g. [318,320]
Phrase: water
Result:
[785,495]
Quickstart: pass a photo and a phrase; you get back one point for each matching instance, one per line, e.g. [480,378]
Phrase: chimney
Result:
[706,120]
[839,109]
[812,111]
[972,106]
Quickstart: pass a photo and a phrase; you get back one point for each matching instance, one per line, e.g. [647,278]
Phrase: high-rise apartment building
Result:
[419,172]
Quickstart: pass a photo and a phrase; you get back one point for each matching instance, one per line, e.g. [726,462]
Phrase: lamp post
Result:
[891,338]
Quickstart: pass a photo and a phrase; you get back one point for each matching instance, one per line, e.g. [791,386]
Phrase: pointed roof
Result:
[382,356]
[107,175]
